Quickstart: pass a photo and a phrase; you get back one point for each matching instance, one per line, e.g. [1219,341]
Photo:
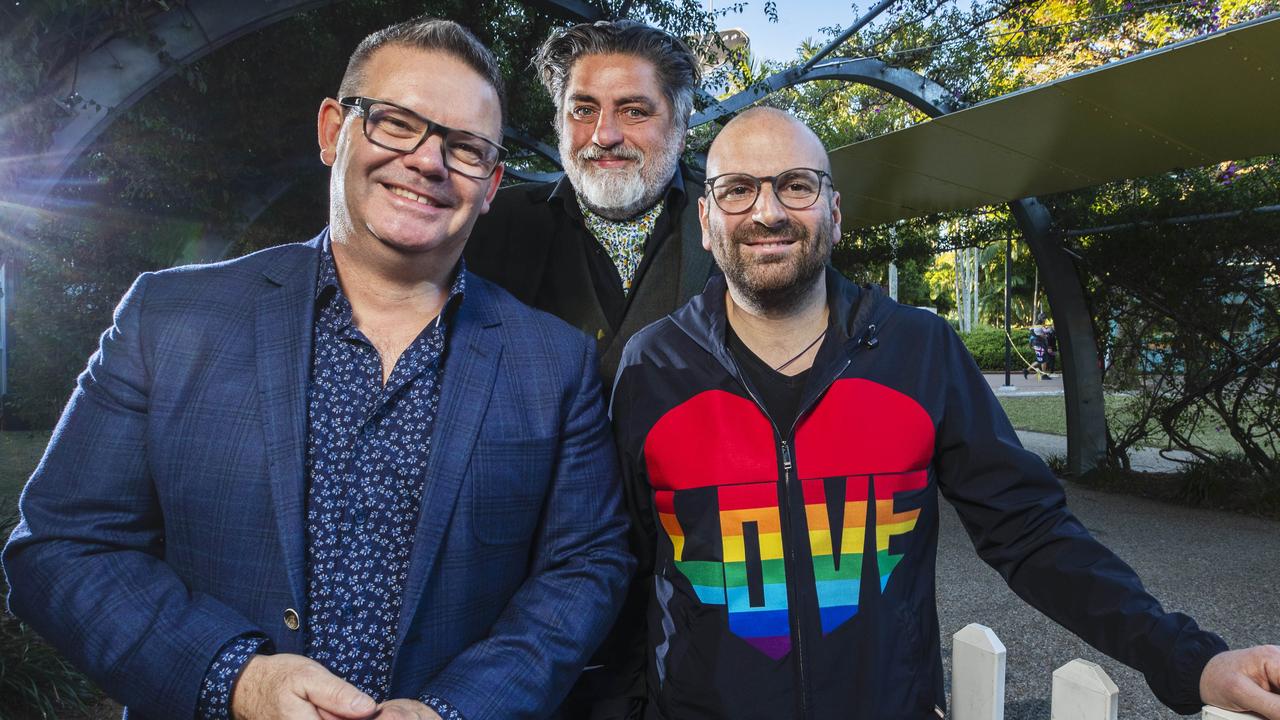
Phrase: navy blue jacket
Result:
[789,571]
[167,514]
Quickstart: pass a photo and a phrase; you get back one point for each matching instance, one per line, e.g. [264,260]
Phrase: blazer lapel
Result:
[470,368]
[284,327]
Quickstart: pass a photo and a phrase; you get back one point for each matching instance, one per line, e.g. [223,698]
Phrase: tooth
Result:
[411,196]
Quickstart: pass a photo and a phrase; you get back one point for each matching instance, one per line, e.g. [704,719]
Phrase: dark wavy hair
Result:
[677,66]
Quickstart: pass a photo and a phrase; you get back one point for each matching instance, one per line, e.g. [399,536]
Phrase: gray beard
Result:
[622,194]
[613,194]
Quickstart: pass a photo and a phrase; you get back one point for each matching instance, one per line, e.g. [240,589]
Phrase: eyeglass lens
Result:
[796,189]
[398,129]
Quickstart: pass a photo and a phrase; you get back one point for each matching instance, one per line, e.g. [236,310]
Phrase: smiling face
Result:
[393,204]
[619,141]
[771,255]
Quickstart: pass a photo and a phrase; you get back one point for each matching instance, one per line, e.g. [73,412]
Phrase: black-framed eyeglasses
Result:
[736,193]
[402,130]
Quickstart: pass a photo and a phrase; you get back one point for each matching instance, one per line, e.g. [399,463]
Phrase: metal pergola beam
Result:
[1081,369]
[913,88]
[575,10]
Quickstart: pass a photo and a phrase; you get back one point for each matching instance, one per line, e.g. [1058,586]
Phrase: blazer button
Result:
[291,620]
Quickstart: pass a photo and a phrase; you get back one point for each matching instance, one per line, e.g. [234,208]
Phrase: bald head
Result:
[764,137]
[772,251]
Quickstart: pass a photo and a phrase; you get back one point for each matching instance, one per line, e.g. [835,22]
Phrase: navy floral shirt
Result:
[367,449]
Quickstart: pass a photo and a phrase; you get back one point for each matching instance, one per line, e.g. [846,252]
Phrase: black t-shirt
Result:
[779,393]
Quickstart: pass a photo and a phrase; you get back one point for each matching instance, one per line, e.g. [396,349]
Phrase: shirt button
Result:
[360,515]
[291,620]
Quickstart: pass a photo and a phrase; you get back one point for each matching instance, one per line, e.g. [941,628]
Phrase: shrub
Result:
[1230,482]
[35,682]
[986,345]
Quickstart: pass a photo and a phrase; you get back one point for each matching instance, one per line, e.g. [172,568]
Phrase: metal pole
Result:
[1008,339]
[855,27]
[893,265]
[4,336]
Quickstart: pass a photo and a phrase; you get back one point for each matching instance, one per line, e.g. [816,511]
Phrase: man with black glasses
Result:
[342,478]
[785,437]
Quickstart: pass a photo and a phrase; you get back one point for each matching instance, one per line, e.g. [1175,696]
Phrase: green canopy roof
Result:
[1202,101]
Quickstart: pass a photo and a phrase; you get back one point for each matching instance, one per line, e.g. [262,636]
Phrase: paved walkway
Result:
[1029,386]
[1215,566]
[1142,459]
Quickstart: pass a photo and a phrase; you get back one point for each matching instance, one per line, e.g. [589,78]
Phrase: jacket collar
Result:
[857,315]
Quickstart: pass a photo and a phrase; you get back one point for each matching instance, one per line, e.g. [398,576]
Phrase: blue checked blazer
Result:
[167,515]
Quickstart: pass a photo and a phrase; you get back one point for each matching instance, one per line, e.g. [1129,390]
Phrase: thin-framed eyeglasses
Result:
[736,193]
[402,130]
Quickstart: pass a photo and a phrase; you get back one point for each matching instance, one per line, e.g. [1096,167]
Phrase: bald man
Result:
[784,437]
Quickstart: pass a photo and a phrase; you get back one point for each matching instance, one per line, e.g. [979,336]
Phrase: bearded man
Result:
[785,437]
[614,244]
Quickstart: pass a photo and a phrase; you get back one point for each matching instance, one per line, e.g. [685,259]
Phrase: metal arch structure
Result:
[111,77]
[921,92]
[105,81]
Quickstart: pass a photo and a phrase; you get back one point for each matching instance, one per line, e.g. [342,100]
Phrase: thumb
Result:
[339,697]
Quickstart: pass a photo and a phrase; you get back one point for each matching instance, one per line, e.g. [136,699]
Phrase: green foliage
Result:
[1229,481]
[35,682]
[987,344]
[1197,340]
[21,452]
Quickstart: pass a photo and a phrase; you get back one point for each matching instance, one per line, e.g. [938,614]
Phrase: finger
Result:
[1271,665]
[393,712]
[405,710]
[338,697]
[1256,699]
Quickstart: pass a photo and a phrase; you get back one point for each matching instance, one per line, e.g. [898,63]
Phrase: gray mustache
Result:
[595,152]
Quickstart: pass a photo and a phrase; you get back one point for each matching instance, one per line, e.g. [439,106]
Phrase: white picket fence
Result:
[1081,690]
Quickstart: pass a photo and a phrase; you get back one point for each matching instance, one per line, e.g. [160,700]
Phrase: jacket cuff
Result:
[442,708]
[1182,694]
[220,678]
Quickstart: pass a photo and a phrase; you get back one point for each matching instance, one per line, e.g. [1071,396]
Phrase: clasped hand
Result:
[292,687]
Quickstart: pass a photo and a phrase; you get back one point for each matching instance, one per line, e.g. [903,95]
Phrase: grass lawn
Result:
[19,453]
[1048,414]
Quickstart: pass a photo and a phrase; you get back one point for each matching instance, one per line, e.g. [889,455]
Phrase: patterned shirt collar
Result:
[623,240]
[328,287]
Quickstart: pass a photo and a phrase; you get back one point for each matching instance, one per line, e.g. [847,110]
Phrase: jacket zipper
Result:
[797,608]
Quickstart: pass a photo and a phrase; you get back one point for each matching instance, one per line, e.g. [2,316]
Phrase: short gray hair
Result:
[678,68]
[429,34]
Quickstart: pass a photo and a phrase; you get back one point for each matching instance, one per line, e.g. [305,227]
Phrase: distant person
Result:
[1039,349]
[614,244]
[344,478]
[1050,348]
[785,437]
